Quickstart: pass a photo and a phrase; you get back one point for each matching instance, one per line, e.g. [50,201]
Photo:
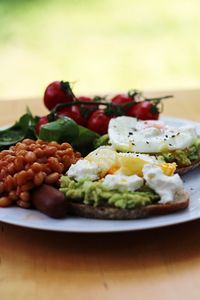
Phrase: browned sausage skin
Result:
[49,201]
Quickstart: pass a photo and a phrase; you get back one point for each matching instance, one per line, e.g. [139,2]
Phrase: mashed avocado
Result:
[182,157]
[94,193]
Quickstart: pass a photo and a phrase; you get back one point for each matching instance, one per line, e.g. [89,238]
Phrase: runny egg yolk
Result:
[134,166]
[111,162]
[106,159]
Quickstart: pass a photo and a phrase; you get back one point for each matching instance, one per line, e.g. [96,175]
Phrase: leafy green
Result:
[61,130]
[23,128]
[66,130]
[85,140]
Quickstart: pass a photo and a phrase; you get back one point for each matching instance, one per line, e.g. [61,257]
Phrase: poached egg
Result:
[127,172]
[129,134]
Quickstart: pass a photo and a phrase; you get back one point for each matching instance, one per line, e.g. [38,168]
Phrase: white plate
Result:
[33,219]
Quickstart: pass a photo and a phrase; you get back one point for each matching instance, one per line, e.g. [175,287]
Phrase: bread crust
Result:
[184,170]
[180,202]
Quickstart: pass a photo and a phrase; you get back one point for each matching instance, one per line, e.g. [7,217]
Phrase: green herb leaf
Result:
[62,130]
[85,140]
[23,128]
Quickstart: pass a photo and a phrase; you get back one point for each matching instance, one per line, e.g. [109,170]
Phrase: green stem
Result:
[159,98]
[104,103]
[77,102]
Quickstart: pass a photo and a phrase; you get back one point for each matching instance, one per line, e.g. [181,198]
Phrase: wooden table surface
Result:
[162,263]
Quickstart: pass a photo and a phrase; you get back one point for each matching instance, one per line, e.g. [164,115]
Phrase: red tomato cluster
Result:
[143,110]
[86,112]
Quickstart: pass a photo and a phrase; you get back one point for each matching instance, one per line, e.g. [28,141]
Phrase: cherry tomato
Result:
[42,120]
[57,92]
[121,99]
[74,113]
[84,98]
[98,122]
[144,110]
[87,99]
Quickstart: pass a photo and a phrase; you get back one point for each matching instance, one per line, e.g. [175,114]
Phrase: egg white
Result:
[128,134]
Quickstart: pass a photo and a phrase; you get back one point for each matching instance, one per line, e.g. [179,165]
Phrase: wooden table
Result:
[154,264]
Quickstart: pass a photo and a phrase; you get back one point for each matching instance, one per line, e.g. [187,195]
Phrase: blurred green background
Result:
[103,46]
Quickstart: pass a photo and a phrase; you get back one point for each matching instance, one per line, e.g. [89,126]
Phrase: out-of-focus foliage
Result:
[103,46]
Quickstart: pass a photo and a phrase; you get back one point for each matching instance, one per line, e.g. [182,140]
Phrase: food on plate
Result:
[57,92]
[95,112]
[29,164]
[60,129]
[115,185]
[132,176]
[98,121]
[78,120]
[65,129]
[22,129]
[180,145]
[49,201]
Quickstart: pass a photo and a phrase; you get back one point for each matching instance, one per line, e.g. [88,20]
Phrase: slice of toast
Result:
[180,202]
[184,170]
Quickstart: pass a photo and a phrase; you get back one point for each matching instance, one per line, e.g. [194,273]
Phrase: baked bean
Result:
[7,152]
[54,144]
[9,158]
[54,164]
[41,142]
[66,161]
[8,183]
[22,153]
[46,168]
[21,177]
[42,160]
[20,146]
[59,158]
[13,195]
[2,163]
[65,146]
[49,150]
[29,174]
[30,157]
[15,178]
[39,178]
[24,196]
[29,164]
[36,167]
[52,178]
[32,147]
[39,152]
[3,173]
[61,152]
[27,141]
[11,168]
[5,201]
[27,186]
[69,151]
[19,163]
[61,167]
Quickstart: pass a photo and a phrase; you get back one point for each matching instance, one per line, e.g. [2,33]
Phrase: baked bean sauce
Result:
[29,164]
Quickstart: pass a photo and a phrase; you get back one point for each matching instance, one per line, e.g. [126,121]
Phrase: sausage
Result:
[49,201]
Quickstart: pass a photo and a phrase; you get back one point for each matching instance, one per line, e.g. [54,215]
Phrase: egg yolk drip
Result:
[134,166]
[111,162]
